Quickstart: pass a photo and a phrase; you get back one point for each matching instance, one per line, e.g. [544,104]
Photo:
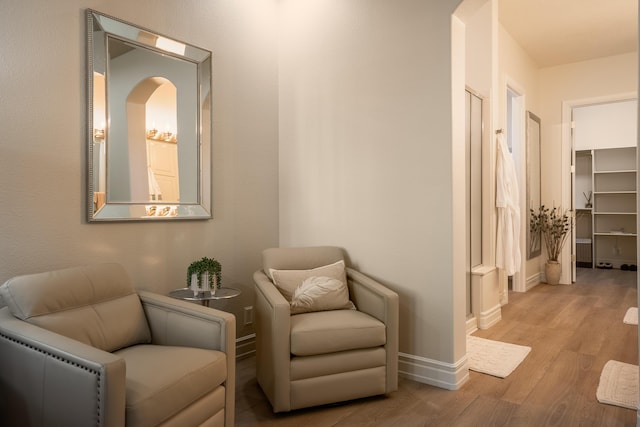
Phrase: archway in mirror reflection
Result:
[152,150]
[149,104]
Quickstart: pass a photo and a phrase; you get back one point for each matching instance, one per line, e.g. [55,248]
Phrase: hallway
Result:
[573,331]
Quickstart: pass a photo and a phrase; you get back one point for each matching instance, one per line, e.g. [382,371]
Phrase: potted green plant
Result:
[554,224]
[204,275]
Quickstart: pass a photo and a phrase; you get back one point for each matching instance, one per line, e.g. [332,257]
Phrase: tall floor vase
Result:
[552,271]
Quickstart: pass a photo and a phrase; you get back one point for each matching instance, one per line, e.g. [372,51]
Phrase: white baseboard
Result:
[490,317]
[245,346]
[433,372]
[533,281]
[472,325]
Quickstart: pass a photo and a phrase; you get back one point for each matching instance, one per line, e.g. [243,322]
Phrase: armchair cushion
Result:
[336,363]
[320,293]
[96,305]
[288,280]
[325,332]
[154,395]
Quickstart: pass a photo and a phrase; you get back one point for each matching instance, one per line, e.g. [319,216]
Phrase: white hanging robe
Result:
[508,205]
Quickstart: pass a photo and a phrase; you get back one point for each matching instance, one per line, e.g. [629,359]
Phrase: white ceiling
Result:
[556,32]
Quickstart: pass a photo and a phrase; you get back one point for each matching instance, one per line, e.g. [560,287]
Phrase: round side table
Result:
[204,296]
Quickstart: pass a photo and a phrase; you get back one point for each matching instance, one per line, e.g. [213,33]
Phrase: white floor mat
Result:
[494,357]
[631,316]
[618,385]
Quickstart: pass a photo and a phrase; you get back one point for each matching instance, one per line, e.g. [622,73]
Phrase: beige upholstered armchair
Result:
[311,350]
[80,347]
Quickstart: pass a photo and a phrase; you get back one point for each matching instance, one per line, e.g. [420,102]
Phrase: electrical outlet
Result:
[248,315]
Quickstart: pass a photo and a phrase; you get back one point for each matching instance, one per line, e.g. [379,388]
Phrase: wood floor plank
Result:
[573,330]
[573,313]
[488,411]
[589,336]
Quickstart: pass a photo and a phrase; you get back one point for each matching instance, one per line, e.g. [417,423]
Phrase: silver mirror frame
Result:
[534,142]
[106,26]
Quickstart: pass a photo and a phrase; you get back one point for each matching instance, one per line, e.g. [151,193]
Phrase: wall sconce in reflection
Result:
[159,211]
[98,134]
[166,136]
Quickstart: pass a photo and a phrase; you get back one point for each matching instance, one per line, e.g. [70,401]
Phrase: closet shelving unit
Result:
[613,216]
[584,219]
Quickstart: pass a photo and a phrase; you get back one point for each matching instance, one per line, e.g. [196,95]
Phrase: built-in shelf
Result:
[609,228]
[616,192]
[614,213]
[615,171]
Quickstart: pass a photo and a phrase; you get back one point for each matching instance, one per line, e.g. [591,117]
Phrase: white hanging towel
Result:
[508,205]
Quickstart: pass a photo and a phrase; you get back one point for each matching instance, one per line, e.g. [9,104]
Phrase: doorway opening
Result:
[604,187]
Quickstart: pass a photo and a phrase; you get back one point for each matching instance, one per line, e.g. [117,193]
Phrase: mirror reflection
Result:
[149,124]
[534,240]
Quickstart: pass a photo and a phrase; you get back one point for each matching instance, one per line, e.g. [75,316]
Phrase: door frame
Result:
[568,256]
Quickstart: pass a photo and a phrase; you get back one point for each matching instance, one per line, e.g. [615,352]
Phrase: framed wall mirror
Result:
[534,240]
[148,124]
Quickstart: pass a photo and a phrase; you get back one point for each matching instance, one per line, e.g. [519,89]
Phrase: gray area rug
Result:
[494,357]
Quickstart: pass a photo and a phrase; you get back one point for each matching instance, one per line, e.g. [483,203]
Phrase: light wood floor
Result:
[572,329]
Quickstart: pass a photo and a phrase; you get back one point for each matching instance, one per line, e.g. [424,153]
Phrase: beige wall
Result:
[366,160]
[42,143]
[479,47]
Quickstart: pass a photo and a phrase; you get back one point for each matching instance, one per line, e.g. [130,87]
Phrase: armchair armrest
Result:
[49,379]
[382,303]
[273,346]
[183,323]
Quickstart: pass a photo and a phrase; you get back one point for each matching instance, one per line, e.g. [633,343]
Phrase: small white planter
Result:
[204,283]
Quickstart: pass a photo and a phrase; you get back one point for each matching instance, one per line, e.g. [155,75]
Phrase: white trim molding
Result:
[450,376]
[534,280]
[245,346]
[486,300]
[490,317]
[471,325]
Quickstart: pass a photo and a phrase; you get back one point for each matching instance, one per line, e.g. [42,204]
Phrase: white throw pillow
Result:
[288,280]
[320,294]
